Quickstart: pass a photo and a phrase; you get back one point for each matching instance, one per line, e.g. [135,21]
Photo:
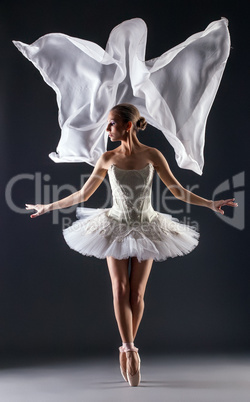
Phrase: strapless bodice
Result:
[131,191]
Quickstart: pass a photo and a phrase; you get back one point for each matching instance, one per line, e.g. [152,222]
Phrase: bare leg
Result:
[118,270]
[128,297]
[140,272]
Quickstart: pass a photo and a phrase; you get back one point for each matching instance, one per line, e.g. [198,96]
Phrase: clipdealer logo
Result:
[46,192]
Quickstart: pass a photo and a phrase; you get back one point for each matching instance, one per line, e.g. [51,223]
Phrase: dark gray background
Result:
[54,300]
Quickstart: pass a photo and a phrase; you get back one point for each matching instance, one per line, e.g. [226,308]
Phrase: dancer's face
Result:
[116,128]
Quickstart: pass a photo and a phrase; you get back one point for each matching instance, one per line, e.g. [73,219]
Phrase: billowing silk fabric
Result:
[174,92]
[131,227]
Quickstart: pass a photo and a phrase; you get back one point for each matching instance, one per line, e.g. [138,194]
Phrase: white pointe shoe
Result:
[134,379]
[123,372]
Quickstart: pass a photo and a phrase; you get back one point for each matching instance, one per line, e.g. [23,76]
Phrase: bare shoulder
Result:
[153,152]
[155,157]
[105,160]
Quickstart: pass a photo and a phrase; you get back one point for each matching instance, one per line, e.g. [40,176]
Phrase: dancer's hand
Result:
[216,205]
[39,208]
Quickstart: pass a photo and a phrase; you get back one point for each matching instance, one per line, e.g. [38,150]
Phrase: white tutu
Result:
[97,234]
[131,228]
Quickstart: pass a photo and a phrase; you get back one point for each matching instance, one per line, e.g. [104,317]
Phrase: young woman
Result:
[131,229]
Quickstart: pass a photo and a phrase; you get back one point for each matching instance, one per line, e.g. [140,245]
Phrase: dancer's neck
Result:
[130,144]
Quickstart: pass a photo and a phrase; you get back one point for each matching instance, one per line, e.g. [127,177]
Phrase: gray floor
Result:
[214,379]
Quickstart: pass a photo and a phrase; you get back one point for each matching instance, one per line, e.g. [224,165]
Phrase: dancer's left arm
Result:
[182,193]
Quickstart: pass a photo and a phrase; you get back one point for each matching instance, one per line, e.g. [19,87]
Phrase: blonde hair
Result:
[128,113]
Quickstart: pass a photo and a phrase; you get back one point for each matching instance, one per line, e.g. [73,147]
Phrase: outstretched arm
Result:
[82,195]
[183,194]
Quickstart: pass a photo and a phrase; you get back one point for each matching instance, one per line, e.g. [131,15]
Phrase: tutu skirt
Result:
[95,233]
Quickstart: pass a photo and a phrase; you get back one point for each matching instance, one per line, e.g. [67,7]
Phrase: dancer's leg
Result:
[118,270]
[139,275]
[140,272]
[128,297]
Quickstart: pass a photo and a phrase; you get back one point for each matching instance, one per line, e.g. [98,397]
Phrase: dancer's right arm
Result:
[83,194]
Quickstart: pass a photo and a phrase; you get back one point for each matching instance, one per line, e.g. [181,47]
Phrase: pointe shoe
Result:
[134,379]
[123,372]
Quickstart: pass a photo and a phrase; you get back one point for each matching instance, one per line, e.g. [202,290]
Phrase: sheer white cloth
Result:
[131,227]
[174,92]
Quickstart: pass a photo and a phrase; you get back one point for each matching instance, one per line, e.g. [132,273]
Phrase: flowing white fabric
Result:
[131,228]
[174,92]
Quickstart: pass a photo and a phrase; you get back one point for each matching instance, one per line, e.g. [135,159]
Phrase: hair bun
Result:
[141,123]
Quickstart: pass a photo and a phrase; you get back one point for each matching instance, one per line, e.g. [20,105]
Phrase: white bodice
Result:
[131,191]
